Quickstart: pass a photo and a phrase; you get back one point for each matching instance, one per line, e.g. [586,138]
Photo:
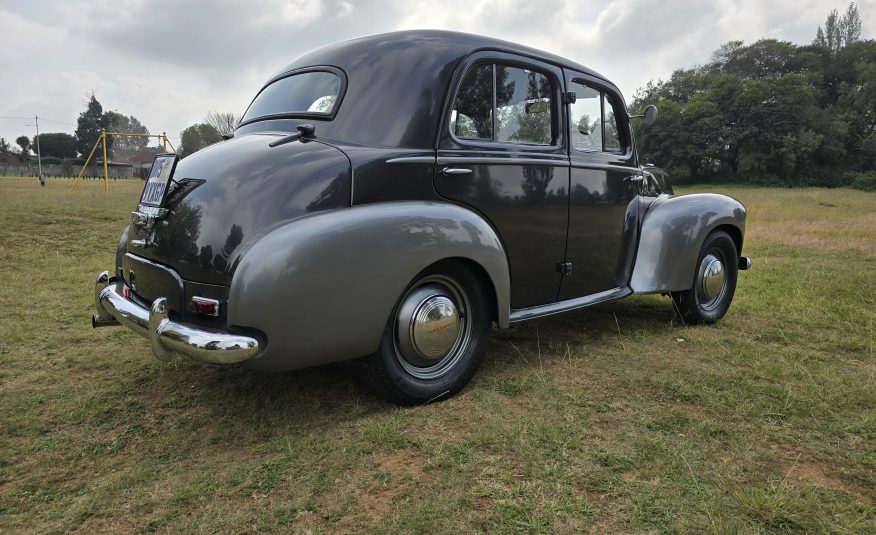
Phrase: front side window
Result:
[593,121]
[520,110]
[310,93]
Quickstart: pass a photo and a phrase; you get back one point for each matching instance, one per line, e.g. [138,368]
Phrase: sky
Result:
[169,63]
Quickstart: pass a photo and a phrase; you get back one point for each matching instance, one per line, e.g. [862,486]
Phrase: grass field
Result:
[611,419]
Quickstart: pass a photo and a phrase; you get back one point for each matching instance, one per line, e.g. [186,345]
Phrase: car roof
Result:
[397,82]
[448,45]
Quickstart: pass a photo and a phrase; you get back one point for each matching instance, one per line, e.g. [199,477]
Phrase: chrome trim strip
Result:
[609,166]
[412,159]
[166,336]
[523,314]
[477,160]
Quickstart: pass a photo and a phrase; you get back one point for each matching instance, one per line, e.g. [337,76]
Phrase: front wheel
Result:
[714,281]
[435,339]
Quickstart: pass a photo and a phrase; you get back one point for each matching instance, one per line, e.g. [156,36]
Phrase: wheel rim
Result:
[711,280]
[432,327]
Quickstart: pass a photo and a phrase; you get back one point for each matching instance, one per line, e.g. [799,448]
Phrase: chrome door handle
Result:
[448,171]
[635,178]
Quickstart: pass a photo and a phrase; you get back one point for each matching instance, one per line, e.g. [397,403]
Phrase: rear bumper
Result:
[166,337]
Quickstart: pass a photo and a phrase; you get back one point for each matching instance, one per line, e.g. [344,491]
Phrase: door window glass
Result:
[611,133]
[472,115]
[524,106]
[593,121]
[585,117]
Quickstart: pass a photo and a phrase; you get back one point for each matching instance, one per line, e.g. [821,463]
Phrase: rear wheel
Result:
[435,339]
[714,281]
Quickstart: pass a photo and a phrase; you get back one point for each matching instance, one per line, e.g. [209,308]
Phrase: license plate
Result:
[159,178]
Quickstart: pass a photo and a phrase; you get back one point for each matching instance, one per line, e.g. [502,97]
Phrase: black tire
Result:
[399,372]
[708,301]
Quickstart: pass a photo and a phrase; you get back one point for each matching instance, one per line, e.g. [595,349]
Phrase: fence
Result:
[67,171]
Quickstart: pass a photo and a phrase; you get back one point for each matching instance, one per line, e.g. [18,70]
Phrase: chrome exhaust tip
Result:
[101,318]
[744,263]
[97,321]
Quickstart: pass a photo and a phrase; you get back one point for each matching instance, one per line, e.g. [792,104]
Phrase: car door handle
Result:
[448,171]
[634,178]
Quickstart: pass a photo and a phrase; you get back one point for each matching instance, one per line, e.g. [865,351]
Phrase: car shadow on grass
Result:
[333,394]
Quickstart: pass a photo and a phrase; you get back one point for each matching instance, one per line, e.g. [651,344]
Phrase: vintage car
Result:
[390,198]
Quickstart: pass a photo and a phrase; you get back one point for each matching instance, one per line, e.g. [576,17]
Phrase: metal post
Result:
[105,170]
[164,138]
[36,121]
[90,155]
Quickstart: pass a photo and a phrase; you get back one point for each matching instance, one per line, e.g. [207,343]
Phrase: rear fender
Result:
[322,288]
[673,230]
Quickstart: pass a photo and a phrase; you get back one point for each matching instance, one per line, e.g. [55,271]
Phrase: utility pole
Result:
[36,122]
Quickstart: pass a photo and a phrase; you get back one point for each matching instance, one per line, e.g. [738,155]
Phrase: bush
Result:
[865,181]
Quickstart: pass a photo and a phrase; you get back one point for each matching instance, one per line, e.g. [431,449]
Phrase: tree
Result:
[89,124]
[223,122]
[126,145]
[24,147]
[59,145]
[840,31]
[850,26]
[196,137]
[4,146]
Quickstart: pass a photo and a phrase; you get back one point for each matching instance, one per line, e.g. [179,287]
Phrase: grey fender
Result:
[673,230]
[322,288]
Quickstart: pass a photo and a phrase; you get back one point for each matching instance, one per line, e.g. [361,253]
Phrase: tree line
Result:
[60,147]
[771,112]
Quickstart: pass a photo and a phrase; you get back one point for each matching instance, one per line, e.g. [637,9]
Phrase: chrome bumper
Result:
[166,336]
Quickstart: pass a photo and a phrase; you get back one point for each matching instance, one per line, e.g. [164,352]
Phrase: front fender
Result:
[673,230]
[322,288]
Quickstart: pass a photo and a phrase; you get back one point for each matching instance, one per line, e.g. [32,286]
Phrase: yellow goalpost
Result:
[101,140]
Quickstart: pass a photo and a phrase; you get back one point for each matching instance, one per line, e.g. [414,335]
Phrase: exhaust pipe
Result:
[97,321]
[101,318]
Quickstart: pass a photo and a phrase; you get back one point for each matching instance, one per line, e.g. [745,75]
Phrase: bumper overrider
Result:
[166,336]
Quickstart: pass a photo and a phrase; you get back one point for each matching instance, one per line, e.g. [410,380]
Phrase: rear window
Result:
[307,93]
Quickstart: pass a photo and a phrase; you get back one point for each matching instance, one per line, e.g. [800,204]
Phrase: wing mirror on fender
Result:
[650,114]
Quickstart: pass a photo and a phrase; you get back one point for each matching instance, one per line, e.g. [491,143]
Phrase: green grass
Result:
[611,419]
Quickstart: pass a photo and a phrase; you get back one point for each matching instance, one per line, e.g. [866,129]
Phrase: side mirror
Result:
[650,114]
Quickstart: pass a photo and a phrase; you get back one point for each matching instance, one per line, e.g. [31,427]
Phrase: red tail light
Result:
[203,305]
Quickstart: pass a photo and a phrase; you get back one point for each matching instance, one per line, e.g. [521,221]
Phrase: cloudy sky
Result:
[170,62]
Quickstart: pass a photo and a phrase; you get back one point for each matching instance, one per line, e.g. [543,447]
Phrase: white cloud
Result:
[169,62]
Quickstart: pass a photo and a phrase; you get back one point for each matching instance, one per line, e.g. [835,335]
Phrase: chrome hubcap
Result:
[712,280]
[435,327]
[431,330]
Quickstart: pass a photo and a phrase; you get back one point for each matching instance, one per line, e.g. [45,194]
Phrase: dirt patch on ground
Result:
[807,468]
[396,474]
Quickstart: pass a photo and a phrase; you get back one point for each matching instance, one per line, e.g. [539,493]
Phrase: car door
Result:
[603,186]
[501,151]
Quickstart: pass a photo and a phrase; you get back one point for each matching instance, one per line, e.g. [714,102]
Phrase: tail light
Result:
[203,305]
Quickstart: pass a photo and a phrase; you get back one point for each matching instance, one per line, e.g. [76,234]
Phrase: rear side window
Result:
[593,121]
[307,93]
[472,115]
[520,110]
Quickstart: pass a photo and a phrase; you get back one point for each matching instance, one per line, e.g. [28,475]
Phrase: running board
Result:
[524,314]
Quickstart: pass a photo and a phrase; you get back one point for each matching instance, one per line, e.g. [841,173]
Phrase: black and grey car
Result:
[391,198]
